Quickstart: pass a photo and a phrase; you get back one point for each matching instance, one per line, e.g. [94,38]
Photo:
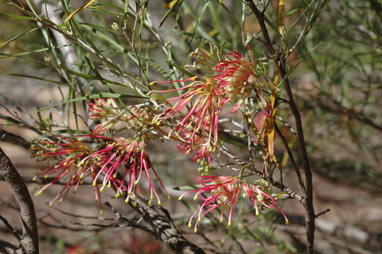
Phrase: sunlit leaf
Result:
[78,10]
[172,6]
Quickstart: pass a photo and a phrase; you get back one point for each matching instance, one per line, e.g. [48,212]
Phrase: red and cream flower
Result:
[197,110]
[113,162]
[223,191]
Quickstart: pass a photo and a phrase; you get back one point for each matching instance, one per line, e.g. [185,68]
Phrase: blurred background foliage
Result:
[340,82]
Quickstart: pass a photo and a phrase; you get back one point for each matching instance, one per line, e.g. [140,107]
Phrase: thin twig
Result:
[322,213]
[291,193]
[6,136]
[10,228]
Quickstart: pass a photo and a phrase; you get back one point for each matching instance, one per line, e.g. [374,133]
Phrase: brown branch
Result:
[10,228]
[308,196]
[260,17]
[164,228]
[310,225]
[29,242]
[322,213]
[43,180]
[6,136]
[6,247]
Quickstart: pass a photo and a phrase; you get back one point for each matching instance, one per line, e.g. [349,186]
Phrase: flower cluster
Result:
[236,77]
[199,103]
[224,191]
[199,123]
[115,162]
[71,151]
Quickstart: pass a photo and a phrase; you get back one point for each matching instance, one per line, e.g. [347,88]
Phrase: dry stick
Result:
[308,204]
[340,109]
[162,226]
[308,196]
[9,137]
[165,229]
[10,228]
[29,242]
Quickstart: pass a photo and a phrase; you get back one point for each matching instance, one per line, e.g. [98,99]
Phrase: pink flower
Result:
[257,193]
[132,155]
[188,144]
[223,192]
[67,152]
[237,77]
[77,160]
[199,107]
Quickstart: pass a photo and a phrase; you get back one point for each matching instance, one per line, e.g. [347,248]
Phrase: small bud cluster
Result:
[110,116]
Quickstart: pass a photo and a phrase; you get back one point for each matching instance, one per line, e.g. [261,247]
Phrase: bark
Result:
[29,242]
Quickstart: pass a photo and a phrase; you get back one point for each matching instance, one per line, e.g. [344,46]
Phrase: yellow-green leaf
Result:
[173,5]
[87,4]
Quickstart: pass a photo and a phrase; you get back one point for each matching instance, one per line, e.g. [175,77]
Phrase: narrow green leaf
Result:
[18,36]
[18,17]
[93,96]
[181,69]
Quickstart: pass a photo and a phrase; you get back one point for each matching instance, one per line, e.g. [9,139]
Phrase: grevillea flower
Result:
[66,152]
[237,77]
[132,155]
[188,144]
[260,194]
[104,163]
[223,192]
[199,107]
